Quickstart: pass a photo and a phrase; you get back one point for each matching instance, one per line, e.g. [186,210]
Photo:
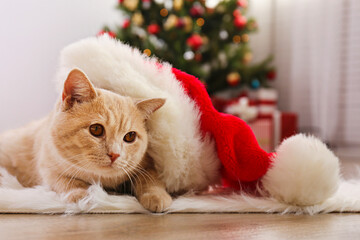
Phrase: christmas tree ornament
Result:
[188,23]
[178,4]
[200,22]
[236,39]
[146,4]
[245,38]
[242,3]
[240,22]
[255,83]
[120,1]
[164,12]
[247,57]
[223,34]
[236,13]
[271,75]
[170,22]
[189,55]
[180,23]
[197,10]
[233,78]
[130,4]
[195,41]
[147,52]
[153,28]
[126,23]
[137,18]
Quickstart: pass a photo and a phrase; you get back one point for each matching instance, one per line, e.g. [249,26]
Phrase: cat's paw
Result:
[76,195]
[157,202]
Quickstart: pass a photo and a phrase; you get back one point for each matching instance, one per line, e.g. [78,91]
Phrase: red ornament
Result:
[195,41]
[240,21]
[236,13]
[153,28]
[110,33]
[180,23]
[120,1]
[126,23]
[271,75]
[197,11]
[242,3]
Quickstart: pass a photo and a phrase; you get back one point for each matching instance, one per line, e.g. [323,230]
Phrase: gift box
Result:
[270,131]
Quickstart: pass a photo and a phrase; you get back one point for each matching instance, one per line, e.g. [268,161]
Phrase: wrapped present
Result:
[265,99]
[272,129]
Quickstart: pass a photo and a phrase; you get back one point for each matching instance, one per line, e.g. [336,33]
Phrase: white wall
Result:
[32,33]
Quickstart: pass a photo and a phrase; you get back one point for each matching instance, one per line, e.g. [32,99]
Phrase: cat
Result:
[92,135]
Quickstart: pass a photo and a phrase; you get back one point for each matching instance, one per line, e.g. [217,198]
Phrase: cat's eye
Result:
[130,137]
[97,130]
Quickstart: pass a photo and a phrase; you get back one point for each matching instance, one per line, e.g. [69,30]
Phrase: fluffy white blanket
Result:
[17,199]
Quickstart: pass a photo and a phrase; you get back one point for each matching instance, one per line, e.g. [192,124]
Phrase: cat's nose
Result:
[113,156]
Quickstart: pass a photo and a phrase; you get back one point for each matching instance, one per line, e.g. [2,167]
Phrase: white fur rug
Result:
[14,198]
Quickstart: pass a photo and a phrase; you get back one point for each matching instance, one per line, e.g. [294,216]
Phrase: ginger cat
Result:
[93,135]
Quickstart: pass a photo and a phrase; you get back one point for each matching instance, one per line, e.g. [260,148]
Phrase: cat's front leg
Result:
[75,189]
[151,192]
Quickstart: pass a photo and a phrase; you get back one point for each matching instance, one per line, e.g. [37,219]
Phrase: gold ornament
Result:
[147,52]
[245,38]
[200,22]
[170,22]
[164,12]
[178,4]
[236,39]
[247,57]
[233,78]
[137,19]
[131,4]
[188,23]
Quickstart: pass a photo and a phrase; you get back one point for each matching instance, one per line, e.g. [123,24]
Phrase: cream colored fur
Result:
[66,153]
[183,159]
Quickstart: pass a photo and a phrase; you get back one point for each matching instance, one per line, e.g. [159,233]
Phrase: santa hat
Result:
[192,144]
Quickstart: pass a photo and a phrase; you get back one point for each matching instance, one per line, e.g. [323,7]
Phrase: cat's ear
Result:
[77,88]
[148,106]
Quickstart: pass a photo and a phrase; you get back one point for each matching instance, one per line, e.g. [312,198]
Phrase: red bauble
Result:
[180,23]
[236,13]
[153,28]
[195,42]
[271,75]
[240,21]
[126,23]
[242,3]
[197,11]
[120,1]
[110,33]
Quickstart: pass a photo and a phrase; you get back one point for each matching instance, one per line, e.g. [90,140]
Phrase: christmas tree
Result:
[208,39]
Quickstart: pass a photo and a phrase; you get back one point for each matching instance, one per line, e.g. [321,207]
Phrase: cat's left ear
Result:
[77,88]
[148,106]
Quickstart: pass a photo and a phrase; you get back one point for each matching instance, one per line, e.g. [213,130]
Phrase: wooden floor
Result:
[184,226]
[180,226]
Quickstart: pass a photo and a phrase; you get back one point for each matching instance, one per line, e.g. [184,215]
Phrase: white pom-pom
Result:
[304,172]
